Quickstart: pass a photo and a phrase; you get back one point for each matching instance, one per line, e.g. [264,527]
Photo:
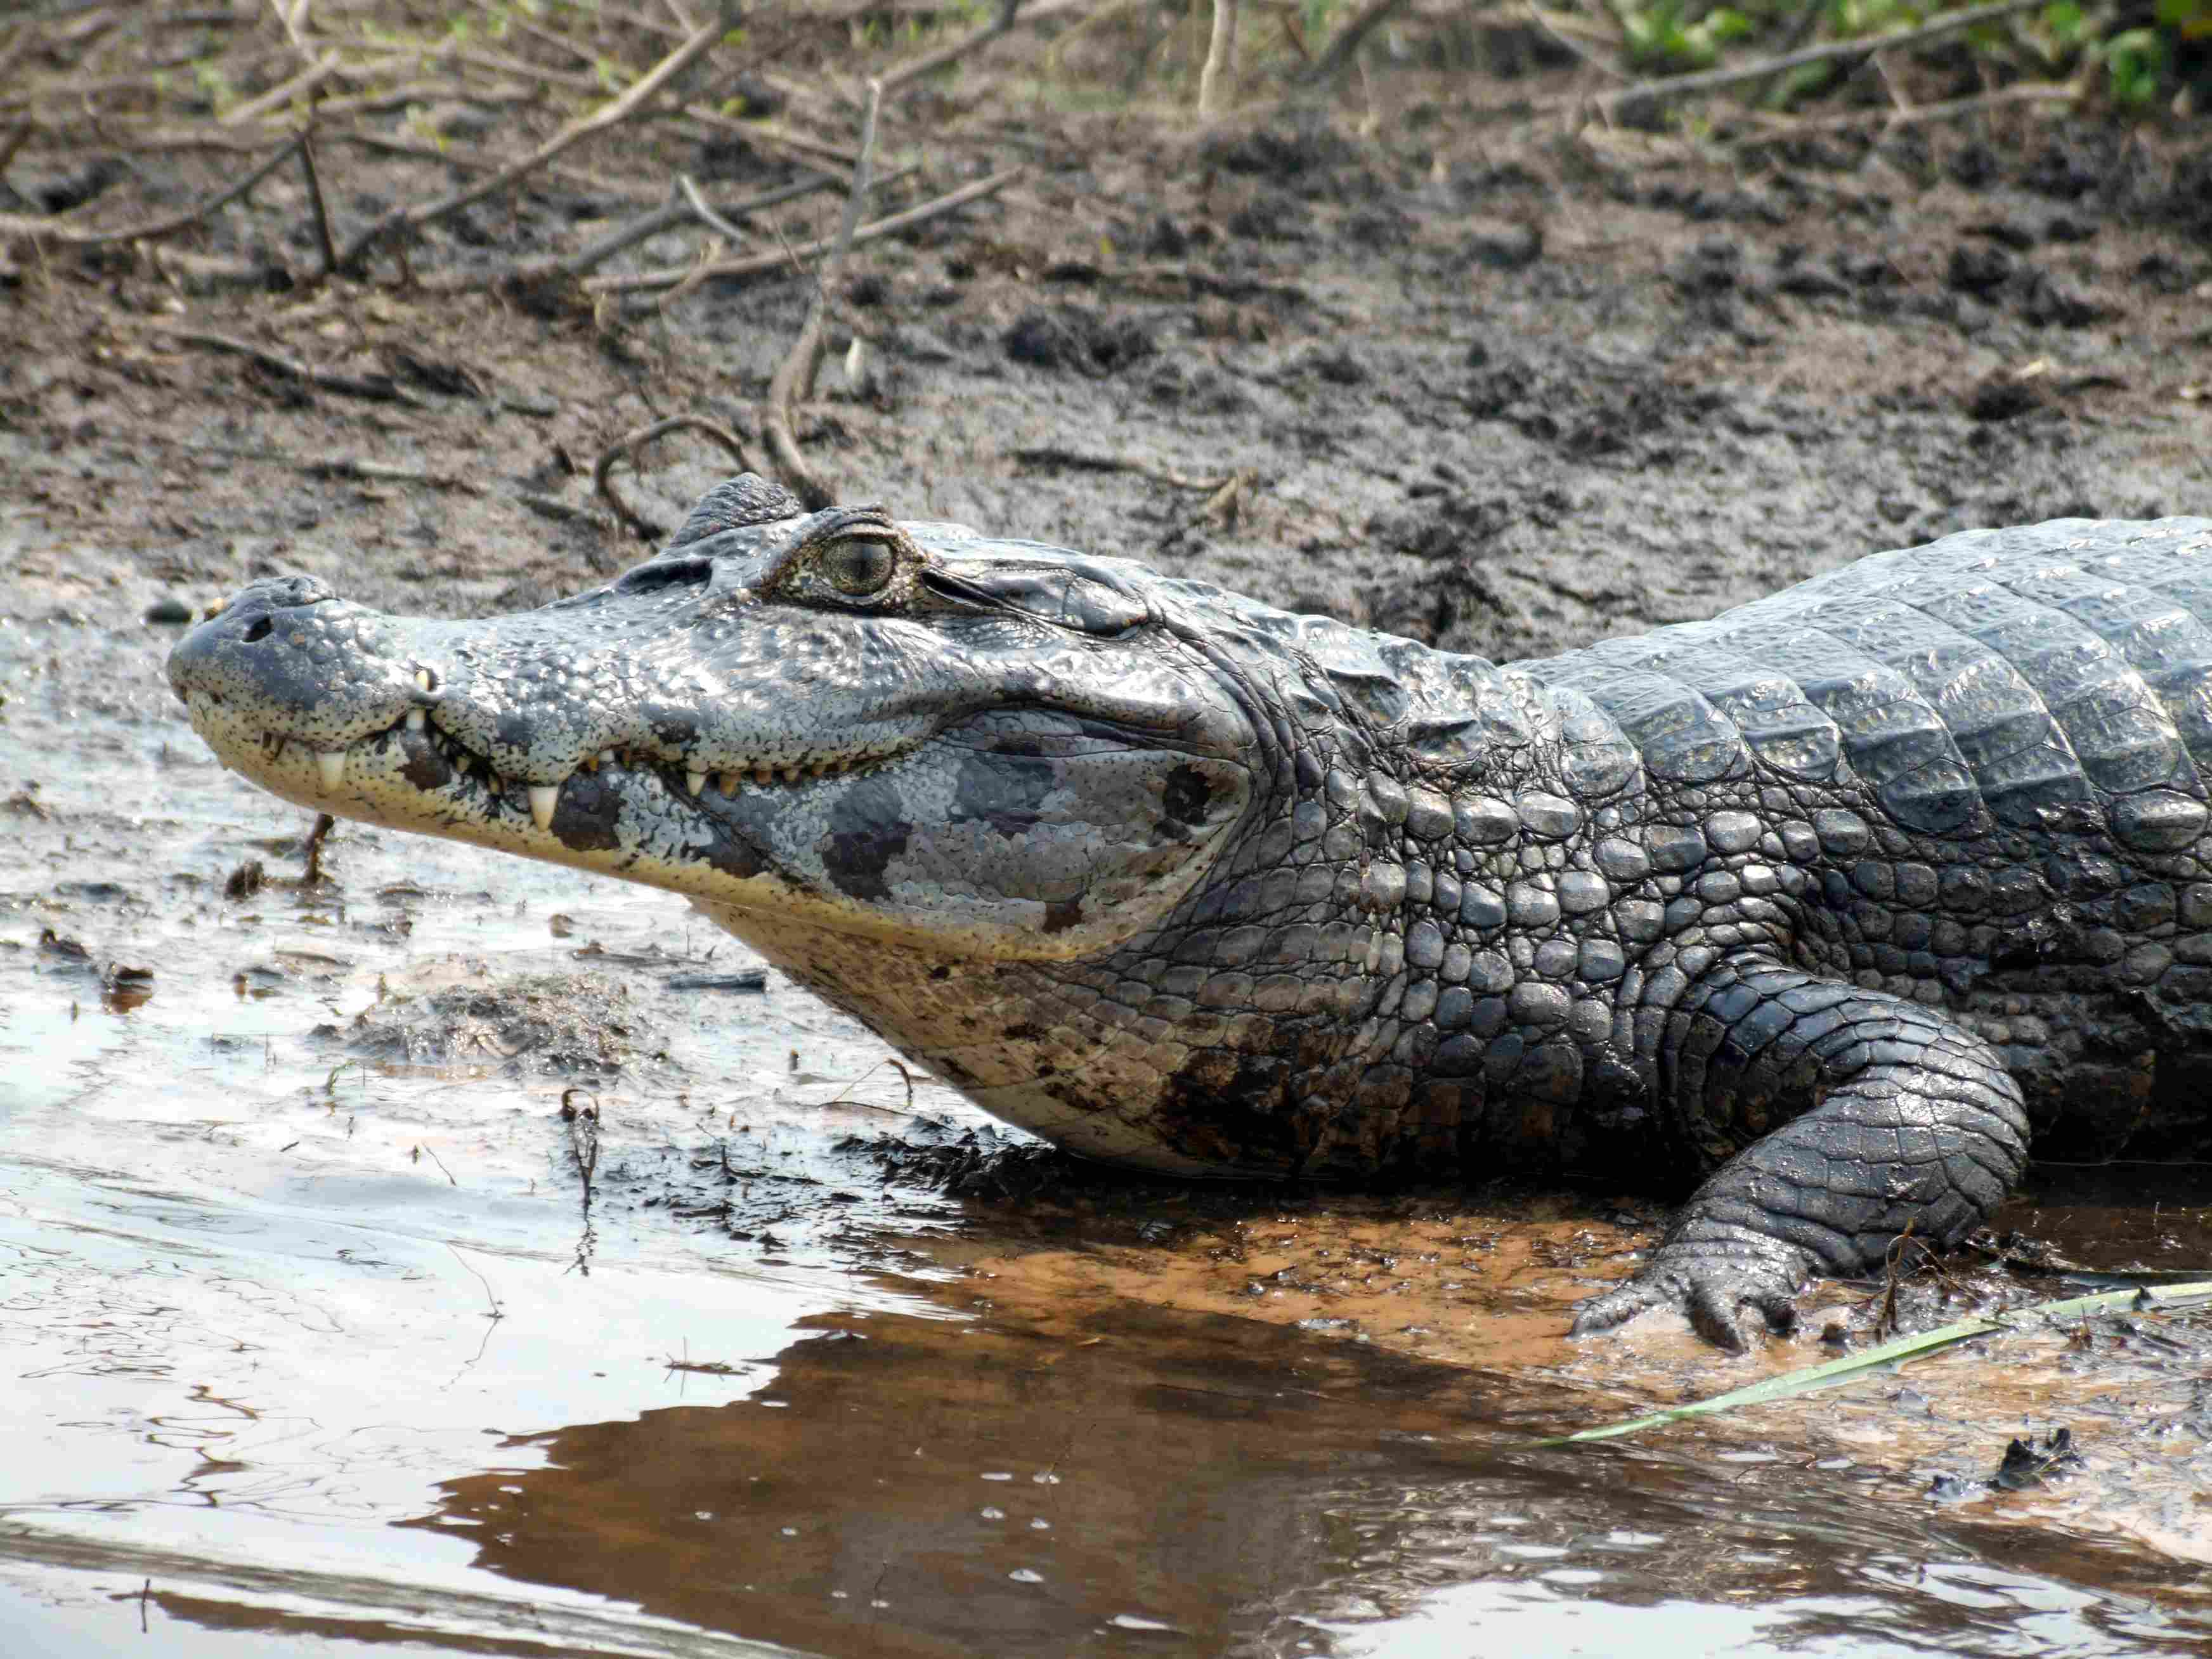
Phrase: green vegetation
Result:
[2161,1299]
[2135,54]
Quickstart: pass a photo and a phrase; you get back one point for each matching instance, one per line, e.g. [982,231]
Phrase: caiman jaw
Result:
[472,778]
[452,730]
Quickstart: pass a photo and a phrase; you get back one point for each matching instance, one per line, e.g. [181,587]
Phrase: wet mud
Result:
[456,1253]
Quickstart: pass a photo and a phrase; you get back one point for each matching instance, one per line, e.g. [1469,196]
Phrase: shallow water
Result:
[312,1341]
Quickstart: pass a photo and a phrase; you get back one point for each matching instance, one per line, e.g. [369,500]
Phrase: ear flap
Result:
[734,504]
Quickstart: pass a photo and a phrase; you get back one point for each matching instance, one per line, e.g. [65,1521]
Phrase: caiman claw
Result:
[1710,1284]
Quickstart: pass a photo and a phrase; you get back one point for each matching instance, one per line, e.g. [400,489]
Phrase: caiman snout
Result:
[253,616]
[287,660]
[267,627]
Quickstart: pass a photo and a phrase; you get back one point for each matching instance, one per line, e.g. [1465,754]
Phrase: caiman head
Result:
[832,720]
[898,759]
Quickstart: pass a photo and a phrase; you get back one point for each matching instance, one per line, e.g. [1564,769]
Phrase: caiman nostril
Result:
[258,629]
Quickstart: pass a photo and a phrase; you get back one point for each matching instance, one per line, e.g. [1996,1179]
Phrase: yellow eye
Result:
[860,567]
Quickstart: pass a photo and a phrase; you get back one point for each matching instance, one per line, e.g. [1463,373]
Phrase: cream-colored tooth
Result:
[695,781]
[416,720]
[607,757]
[726,782]
[496,783]
[762,777]
[422,678]
[543,798]
[591,762]
[330,766]
[790,775]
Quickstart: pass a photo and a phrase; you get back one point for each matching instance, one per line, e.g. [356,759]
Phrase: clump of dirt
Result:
[570,1025]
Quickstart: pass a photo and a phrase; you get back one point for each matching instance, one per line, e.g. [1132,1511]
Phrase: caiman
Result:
[1825,906]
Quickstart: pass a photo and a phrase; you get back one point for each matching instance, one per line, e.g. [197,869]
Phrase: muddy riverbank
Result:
[458,1252]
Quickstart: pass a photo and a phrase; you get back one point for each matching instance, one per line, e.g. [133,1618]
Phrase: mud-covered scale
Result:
[1831,902]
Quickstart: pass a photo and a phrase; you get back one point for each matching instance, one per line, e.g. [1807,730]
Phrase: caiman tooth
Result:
[695,781]
[790,775]
[496,783]
[416,720]
[607,757]
[329,766]
[726,782]
[591,762]
[762,777]
[544,797]
[422,678]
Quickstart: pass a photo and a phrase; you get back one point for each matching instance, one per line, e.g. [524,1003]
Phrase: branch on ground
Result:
[611,114]
[793,381]
[629,443]
[755,265]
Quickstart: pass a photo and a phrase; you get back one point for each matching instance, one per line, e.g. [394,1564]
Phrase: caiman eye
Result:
[860,567]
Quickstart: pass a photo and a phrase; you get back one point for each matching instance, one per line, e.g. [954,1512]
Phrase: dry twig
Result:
[1349,40]
[320,212]
[1569,33]
[381,387]
[611,114]
[21,224]
[361,471]
[754,265]
[669,215]
[283,93]
[953,52]
[478,161]
[1078,460]
[630,442]
[1779,128]
[793,380]
[1221,59]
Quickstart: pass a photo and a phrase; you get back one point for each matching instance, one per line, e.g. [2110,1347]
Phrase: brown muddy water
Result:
[314,1340]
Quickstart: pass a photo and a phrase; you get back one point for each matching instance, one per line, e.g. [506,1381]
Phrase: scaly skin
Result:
[1829,901]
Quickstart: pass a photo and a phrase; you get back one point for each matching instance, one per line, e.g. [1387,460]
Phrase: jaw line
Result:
[768,901]
[374,787]
[702,835]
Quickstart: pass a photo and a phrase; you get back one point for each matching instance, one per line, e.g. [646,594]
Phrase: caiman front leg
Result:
[1898,1119]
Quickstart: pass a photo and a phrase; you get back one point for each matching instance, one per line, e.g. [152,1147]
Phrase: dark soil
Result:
[1503,390]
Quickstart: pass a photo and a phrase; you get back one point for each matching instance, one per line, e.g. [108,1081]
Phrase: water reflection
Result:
[1196,1484]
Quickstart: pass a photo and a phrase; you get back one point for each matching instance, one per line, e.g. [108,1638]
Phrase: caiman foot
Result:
[1912,1126]
[1712,1282]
